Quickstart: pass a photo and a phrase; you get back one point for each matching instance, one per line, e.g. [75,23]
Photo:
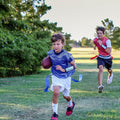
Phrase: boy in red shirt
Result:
[104,58]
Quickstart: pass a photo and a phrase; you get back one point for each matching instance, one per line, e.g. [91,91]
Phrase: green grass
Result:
[23,98]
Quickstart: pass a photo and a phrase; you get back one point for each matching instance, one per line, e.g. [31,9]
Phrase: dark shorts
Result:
[107,63]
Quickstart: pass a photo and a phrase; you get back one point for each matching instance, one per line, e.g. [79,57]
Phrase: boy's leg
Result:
[110,72]
[56,94]
[100,65]
[108,65]
[100,75]
[71,104]
[69,100]
[110,76]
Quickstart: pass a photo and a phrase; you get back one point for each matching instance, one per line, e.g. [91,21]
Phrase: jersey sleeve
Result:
[108,43]
[70,58]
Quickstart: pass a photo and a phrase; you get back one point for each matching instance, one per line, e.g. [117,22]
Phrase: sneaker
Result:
[70,109]
[54,116]
[100,88]
[109,80]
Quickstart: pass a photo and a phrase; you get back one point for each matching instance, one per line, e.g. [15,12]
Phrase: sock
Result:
[70,103]
[55,108]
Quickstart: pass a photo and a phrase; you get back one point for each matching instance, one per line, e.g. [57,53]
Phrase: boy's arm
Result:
[73,63]
[108,48]
[58,67]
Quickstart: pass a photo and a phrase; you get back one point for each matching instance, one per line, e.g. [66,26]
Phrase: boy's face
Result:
[57,46]
[100,34]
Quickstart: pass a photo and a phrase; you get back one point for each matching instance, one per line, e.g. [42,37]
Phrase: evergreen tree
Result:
[109,27]
[68,41]
[113,33]
[24,38]
[115,39]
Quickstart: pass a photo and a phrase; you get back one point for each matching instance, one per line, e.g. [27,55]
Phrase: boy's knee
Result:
[56,93]
[101,68]
[68,98]
[110,70]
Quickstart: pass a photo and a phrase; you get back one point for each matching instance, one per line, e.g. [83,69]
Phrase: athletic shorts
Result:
[65,84]
[107,63]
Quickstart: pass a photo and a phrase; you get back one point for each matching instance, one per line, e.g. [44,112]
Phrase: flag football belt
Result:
[47,81]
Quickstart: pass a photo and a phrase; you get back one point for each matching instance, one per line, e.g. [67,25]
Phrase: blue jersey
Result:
[63,59]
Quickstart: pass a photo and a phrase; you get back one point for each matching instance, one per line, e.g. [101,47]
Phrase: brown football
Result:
[46,63]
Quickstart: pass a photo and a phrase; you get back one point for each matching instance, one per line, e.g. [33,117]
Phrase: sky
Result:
[80,17]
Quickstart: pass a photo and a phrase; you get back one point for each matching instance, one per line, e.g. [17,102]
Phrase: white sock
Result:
[55,108]
[70,103]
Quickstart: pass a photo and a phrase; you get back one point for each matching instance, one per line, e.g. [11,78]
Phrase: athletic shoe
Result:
[109,80]
[100,88]
[54,116]
[70,109]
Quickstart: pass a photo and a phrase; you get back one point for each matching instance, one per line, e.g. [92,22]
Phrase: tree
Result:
[84,42]
[109,27]
[24,38]
[115,39]
[113,33]
[68,41]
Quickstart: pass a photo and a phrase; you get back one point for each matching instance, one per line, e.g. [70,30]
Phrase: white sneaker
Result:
[100,88]
[109,80]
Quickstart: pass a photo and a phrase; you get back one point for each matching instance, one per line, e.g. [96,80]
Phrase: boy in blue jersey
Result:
[63,66]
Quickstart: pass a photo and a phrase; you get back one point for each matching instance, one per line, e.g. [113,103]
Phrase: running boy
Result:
[63,66]
[104,59]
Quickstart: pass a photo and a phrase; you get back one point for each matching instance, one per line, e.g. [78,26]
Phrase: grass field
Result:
[23,98]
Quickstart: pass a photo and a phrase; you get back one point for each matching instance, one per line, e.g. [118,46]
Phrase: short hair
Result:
[58,36]
[101,29]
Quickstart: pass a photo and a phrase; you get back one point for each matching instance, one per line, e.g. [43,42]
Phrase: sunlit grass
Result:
[86,61]
[83,56]
[3,91]
[5,117]
[81,49]
[116,61]
[110,115]
[19,106]
[81,91]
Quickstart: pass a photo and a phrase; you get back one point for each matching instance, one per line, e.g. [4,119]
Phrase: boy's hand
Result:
[58,67]
[100,42]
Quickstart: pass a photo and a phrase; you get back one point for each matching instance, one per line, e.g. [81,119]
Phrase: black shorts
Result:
[107,63]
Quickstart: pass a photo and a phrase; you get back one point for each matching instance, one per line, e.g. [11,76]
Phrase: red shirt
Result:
[101,50]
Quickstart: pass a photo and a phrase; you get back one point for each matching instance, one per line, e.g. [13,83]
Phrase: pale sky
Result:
[80,17]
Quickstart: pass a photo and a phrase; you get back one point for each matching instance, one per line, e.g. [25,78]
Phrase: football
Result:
[46,63]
